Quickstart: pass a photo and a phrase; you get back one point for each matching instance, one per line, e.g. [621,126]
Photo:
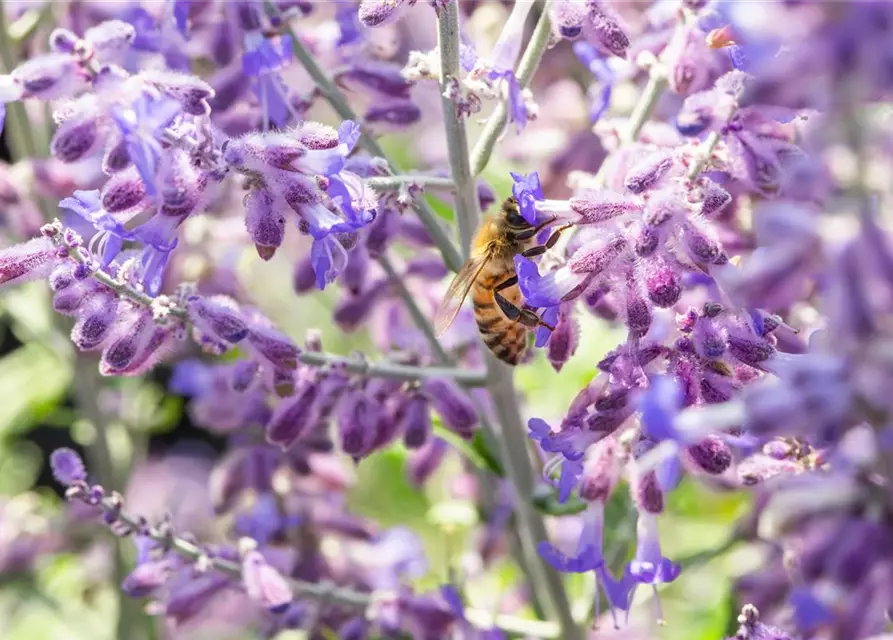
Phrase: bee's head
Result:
[513,217]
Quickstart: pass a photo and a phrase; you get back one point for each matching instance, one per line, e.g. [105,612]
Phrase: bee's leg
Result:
[514,313]
[553,239]
[527,235]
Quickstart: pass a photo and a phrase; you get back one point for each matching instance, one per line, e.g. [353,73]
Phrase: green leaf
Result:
[476,450]
[33,380]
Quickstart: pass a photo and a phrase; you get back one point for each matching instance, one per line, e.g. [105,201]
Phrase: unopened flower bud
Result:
[75,139]
[264,584]
[358,423]
[661,282]
[415,421]
[716,199]
[293,418]
[568,17]
[377,13]
[649,171]
[94,325]
[382,79]
[116,158]
[453,406]
[275,346]
[67,467]
[395,113]
[218,317]
[125,190]
[265,225]
[600,207]
[110,40]
[712,455]
[608,33]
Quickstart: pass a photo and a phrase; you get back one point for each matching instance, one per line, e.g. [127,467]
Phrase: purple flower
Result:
[142,127]
[588,557]
[598,66]
[527,191]
[111,233]
[648,566]
[262,60]
[67,466]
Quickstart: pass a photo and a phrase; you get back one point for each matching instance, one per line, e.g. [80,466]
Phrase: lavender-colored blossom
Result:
[142,126]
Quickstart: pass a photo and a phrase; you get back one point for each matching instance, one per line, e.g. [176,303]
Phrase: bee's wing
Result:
[456,293]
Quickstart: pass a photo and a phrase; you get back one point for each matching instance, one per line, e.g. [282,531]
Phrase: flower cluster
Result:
[732,225]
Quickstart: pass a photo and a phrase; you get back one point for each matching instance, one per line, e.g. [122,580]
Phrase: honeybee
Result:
[490,277]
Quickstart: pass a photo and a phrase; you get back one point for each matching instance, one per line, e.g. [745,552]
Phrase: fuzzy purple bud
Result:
[564,340]
[647,494]
[218,317]
[75,139]
[123,191]
[264,223]
[377,13]
[26,262]
[396,113]
[649,171]
[661,282]
[749,349]
[276,347]
[638,310]
[712,455]
[264,584]
[568,16]
[94,325]
[67,467]
[359,420]
[415,420]
[716,199]
[293,418]
[603,206]
[607,32]
[453,406]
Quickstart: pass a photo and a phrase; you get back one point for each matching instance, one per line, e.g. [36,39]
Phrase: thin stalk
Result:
[531,529]
[467,203]
[530,60]
[86,391]
[383,369]
[21,138]
[338,102]
[327,592]
[707,152]
[395,183]
[546,582]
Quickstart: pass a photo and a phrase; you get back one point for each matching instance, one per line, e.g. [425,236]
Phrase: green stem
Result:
[338,102]
[467,203]
[709,146]
[383,369]
[524,72]
[131,618]
[395,183]
[325,591]
[546,582]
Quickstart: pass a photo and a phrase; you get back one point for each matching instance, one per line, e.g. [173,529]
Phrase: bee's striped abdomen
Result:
[505,338]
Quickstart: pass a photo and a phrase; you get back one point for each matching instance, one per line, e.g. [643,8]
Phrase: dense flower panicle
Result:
[734,231]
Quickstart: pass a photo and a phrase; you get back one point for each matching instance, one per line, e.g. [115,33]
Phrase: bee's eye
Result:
[515,219]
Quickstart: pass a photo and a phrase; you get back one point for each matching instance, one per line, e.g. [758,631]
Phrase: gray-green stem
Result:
[327,592]
[545,581]
[382,369]
[527,66]
[338,102]
[467,204]
[395,183]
